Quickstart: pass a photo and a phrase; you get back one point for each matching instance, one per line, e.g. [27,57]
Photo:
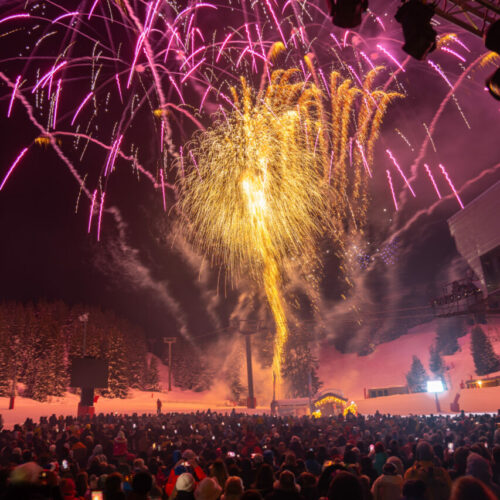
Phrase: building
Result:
[476,230]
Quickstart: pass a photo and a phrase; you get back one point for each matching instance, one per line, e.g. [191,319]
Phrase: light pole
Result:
[169,341]
[84,318]
[251,328]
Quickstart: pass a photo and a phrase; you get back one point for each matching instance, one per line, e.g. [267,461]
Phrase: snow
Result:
[385,367]
[389,363]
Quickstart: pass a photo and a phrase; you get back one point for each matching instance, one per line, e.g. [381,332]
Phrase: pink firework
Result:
[389,178]
[447,177]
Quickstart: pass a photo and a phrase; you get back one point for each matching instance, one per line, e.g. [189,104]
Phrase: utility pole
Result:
[249,328]
[169,341]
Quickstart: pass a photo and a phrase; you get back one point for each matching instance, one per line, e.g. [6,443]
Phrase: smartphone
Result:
[96,495]
[65,465]
[163,427]
[450,447]
[134,425]
[372,447]
[213,437]
[154,446]
[231,454]
[175,431]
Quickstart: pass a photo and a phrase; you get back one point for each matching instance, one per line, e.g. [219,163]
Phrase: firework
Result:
[257,192]
[282,165]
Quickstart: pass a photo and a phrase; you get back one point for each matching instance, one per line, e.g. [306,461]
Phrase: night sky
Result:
[46,253]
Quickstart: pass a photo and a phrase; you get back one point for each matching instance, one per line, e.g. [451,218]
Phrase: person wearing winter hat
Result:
[187,463]
[479,467]
[233,488]
[120,445]
[398,463]
[208,489]
[389,485]
[184,487]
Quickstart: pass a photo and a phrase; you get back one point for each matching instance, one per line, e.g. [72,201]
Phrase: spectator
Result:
[120,445]
[142,483]
[345,486]
[233,489]
[68,489]
[308,486]
[265,480]
[208,489]
[470,488]
[414,489]
[113,487]
[251,495]
[218,471]
[389,486]
[285,488]
[184,487]
[436,479]
[379,458]
[479,467]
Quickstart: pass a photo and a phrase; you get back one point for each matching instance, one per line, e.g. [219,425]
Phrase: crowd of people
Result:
[210,456]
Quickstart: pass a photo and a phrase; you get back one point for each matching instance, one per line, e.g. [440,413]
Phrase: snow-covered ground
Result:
[385,367]
[389,363]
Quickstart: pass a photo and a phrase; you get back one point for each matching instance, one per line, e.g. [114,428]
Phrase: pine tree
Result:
[152,382]
[448,332]
[417,376]
[189,370]
[117,367]
[485,359]
[299,368]
[436,364]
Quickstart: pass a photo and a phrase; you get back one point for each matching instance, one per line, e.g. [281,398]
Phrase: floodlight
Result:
[492,37]
[347,13]
[435,386]
[420,37]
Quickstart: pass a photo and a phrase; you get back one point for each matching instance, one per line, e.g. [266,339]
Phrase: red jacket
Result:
[172,478]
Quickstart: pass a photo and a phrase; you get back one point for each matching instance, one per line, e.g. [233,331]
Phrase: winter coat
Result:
[284,495]
[479,467]
[387,487]
[197,472]
[379,461]
[436,479]
[184,495]
[120,446]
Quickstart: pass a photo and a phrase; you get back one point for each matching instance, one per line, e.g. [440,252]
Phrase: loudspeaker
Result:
[89,372]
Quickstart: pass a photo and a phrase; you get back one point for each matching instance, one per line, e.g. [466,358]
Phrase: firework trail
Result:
[113,71]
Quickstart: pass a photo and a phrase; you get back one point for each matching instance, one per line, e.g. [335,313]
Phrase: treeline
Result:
[37,342]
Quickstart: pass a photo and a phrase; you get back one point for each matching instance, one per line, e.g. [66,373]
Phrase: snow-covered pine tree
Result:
[190,371]
[436,364]
[6,360]
[448,331]
[485,359]
[417,376]
[152,382]
[300,367]
[117,380]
